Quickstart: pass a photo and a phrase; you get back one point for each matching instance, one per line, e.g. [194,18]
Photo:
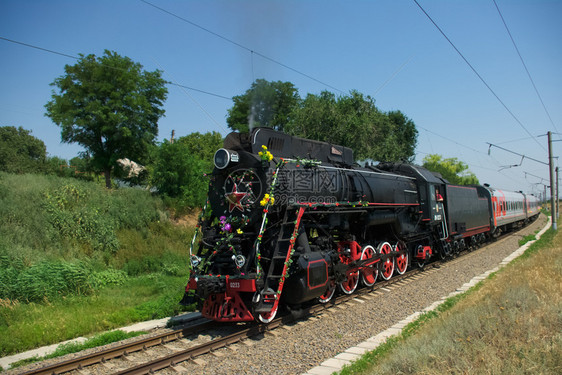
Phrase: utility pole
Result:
[172,137]
[557,196]
[553,208]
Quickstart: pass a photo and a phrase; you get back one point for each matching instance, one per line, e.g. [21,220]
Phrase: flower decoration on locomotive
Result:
[232,224]
[265,155]
[267,199]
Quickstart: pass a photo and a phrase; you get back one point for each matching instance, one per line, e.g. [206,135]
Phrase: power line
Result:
[477,74]
[240,45]
[524,65]
[516,140]
[39,48]
[197,103]
[198,90]
[515,153]
[393,75]
[450,140]
[109,66]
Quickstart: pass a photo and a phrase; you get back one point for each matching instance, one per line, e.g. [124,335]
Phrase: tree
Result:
[178,174]
[203,146]
[453,170]
[177,169]
[349,120]
[266,104]
[20,152]
[110,106]
[406,136]
[354,121]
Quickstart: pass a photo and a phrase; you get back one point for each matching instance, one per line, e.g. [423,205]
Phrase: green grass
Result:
[47,217]
[525,239]
[508,324]
[25,326]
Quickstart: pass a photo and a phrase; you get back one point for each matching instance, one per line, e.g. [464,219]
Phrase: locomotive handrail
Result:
[355,170]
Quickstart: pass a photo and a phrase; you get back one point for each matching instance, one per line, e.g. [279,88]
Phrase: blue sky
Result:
[387,49]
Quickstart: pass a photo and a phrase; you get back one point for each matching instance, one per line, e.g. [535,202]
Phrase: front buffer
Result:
[222,298]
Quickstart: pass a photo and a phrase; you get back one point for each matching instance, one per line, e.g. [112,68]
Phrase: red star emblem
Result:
[234,199]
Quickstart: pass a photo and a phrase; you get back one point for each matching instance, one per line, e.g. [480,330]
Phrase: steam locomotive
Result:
[289,221]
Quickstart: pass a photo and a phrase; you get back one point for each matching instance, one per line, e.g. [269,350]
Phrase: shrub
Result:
[70,215]
[178,175]
[107,277]
[45,280]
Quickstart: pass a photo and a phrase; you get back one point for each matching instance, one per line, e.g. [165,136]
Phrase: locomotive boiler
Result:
[290,221]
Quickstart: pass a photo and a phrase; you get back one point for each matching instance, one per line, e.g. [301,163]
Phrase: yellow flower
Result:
[265,155]
[239,231]
[267,199]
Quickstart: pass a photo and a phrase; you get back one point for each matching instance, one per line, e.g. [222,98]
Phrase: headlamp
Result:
[224,157]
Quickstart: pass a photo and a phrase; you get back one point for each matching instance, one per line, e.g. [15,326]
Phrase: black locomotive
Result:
[291,220]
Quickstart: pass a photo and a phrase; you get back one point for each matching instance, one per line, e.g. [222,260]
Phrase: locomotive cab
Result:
[431,190]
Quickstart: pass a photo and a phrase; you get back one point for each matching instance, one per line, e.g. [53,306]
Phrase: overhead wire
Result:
[109,66]
[478,74]
[474,166]
[393,75]
[516,140]
[524,65]
[233,42]
[39,48]
[196,102]
[515,153]
[450,140]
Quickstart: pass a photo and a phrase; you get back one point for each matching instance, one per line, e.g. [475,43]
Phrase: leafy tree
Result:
[349,120]
[354,121]
[266,104]
[453,170]
[203,146]
[405,137]
[110,106]
[20,152]
[178,174]
[57,166]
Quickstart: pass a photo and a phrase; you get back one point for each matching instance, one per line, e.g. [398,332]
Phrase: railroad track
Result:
[241,332]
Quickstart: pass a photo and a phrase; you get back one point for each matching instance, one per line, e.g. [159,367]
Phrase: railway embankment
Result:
[77,259]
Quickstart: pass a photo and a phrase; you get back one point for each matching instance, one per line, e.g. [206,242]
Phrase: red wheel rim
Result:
[369,274]
[348,286]
[327,296]
[401,260]
[387,266]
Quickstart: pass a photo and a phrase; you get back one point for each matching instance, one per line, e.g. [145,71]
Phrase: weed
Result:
[525,239]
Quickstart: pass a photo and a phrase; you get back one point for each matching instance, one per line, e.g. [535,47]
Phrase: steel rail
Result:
[190,353]
[121,350]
